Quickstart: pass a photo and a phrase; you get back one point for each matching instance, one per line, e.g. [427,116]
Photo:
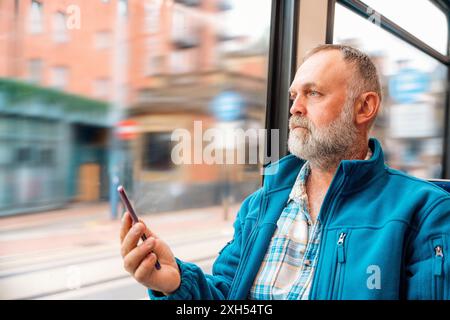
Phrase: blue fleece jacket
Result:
[396,243]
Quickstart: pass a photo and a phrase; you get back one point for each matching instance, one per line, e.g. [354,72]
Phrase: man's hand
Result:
[140,260]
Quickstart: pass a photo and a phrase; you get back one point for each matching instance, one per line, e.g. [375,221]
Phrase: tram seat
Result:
[443,183]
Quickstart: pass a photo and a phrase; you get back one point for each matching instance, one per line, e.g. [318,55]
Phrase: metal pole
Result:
[119,70]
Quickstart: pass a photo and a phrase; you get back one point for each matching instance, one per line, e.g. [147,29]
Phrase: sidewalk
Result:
[88,225]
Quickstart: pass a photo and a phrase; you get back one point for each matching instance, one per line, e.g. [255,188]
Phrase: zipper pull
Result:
[340,244]
[439,256]
[438,251]
[341,238]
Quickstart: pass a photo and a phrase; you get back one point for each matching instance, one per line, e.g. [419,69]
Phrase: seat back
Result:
[443,183]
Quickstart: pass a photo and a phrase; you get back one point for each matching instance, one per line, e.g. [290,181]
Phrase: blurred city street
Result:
[184,103]
[75,253]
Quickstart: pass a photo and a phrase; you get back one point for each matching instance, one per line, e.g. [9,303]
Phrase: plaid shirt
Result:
[288,267]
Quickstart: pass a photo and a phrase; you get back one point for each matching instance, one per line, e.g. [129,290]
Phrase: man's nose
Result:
[298,106]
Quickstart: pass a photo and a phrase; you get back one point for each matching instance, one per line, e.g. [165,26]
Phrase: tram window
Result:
[157,151]
[409,15]
[410,124]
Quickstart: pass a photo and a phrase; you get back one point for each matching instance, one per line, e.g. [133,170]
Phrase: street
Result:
[74,253]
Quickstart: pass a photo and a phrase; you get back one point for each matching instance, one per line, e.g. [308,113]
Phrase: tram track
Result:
[105,268]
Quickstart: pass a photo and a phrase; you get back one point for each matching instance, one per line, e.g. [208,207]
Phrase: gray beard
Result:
[326,147]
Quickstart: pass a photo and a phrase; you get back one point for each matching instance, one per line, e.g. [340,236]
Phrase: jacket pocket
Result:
[438,268]
[341,248]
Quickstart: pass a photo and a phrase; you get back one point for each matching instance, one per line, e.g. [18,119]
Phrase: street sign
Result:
[228,106]
[407,85]
[127,129]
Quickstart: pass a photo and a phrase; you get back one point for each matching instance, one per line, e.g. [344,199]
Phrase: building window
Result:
[190,3]
[152,15]
[102,40]
[36,20]
[157,149]
[183,61]
[60,33]
[154,60]
[178,23]
[6,156]
[23,155]
[59,77]
[185,31]
[155,65]
[46,157]
[410,125]
[35,71]
[123,8]
[101,88]
[144,95]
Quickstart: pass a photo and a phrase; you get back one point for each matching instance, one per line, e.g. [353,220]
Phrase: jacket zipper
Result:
[340,245]
[438,271]
[313,294]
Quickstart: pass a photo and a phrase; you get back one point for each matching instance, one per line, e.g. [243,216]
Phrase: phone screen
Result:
[127,204]
[130,209]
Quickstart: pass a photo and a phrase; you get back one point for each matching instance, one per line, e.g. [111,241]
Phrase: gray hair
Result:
[366,76]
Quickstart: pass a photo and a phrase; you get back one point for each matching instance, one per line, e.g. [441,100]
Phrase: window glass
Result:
[157,151]
[152,95]
[35,70]
[421,18]
[59,77]
[411,122]
[60,33]
[36,17]
[102,40]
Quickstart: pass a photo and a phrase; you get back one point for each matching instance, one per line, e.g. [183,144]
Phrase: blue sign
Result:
[228,106]
[408,84]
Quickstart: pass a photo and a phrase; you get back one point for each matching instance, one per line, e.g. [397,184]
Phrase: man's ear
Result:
[367,108]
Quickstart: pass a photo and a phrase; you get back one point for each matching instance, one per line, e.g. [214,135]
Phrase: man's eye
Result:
[314,93]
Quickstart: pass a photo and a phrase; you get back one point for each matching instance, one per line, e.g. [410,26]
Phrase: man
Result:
[334,222]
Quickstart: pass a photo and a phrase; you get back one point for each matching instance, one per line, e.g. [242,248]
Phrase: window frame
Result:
[360,8]
[281,71]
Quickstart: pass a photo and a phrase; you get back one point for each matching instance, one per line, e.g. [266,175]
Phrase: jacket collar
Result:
[283,173]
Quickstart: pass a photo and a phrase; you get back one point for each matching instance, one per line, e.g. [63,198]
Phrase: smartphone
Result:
[126,202]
